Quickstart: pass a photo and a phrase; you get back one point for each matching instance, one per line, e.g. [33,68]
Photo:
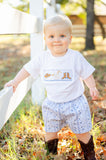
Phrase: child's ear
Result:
[70,38]
[44,37]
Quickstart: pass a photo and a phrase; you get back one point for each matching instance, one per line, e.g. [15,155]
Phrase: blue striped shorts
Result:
[75,114]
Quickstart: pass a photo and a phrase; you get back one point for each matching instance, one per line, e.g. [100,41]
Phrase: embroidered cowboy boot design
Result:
[66,75]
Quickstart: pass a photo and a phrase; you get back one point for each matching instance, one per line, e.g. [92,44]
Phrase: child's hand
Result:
[11,84]
[94,93]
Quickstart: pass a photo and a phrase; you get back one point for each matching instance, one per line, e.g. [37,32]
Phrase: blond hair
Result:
[58,20]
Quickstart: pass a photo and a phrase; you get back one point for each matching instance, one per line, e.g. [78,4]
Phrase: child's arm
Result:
[22,74]
[90,82]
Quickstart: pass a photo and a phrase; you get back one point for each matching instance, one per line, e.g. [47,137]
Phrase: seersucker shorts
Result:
[75,114]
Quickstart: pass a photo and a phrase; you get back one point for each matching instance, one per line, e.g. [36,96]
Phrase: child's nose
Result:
[57,39]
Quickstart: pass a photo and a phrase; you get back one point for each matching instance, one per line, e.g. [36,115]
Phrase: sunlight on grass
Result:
[25,132]
[95,129]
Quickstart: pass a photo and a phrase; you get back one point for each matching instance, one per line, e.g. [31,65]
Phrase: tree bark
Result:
[90,25]
[101,26]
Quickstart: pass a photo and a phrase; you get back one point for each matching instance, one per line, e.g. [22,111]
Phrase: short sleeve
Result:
[85,69]
[33,67]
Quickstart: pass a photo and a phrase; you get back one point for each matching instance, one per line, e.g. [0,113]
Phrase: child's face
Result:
[57,39]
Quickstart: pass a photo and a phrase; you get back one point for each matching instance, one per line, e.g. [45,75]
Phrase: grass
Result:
[22,137]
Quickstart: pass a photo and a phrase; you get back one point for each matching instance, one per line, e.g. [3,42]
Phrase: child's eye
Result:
[51,36]
[62,35]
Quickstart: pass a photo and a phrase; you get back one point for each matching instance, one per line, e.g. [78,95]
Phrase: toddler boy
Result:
[63,71]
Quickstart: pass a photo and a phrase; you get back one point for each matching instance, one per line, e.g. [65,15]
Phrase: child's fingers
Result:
[8,84]
[94,98]
[14,89]
[94,94]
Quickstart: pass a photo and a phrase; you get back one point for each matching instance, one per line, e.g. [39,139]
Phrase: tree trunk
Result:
[90,25]
[101,26]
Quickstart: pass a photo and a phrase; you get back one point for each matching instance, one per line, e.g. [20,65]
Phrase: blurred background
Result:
[19,138]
